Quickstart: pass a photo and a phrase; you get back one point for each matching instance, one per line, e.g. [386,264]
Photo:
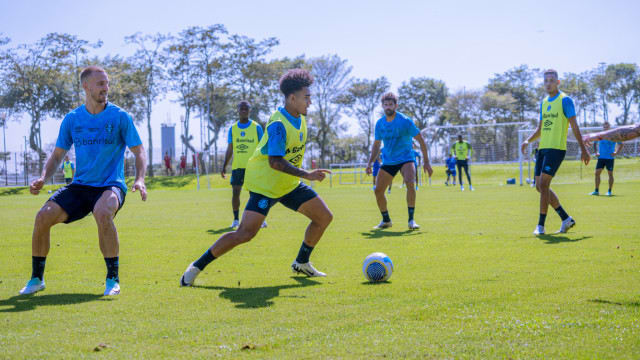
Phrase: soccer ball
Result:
[377,267]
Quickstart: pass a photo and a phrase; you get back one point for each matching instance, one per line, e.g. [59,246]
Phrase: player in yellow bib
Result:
[556,113]
[243,139]
[273,175]
[68,170]
[462,150]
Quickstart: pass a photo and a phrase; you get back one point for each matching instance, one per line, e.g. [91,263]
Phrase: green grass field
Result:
[472,283]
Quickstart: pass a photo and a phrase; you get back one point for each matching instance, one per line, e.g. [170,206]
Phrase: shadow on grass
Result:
[623,303]
[257,297]
[219,231]
[376,234]
[378,283]
[21,303]
[557,238]
[163,182]
[13,191]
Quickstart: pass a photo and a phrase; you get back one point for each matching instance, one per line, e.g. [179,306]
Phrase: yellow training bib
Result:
[260,177]
[244,144]
[555,125]
[460,150]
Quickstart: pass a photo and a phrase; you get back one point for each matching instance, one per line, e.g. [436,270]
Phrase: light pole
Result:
[3,118]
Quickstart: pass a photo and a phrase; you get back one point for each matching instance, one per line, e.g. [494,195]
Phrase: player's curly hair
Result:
[244,103]
[389,97]
[294,80]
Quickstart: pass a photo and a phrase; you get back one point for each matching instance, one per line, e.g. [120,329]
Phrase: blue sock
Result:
[385,216]
[542,219]
[304,253]
[112,268]
[37,267]
[235,214]
[204,260]
[411,210]
[563,214]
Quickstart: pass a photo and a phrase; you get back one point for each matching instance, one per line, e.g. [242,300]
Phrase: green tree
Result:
[520,82]
[623,89]
[421,98]
[602,83]
[580,88]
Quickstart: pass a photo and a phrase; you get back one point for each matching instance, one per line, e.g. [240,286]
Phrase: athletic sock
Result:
[385,216]
[204,260]
[112,268]
[541,219]
[563,214]
[411,210]
[597,190]
[235,214]
[304,253]
[37,266]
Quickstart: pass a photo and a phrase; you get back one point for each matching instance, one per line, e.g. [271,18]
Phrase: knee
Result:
[244,235]
[326,218]
[379,191]
[44,218]
[103,216]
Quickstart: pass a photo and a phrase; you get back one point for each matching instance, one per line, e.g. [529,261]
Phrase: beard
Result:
[100,98]
[389,112]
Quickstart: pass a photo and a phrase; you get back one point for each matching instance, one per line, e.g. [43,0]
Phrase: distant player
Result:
[556,113]
[100,132]
[183,164]
[396,132]
[450,165]
[376,169]
[273,175]
[68,169]
[167,163]
[243,138]
[606,151]
[462,151]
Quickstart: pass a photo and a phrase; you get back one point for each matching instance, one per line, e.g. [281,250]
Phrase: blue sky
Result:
[463,43]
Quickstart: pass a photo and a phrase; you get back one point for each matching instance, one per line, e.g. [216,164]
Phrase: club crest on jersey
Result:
[242,133]
[300,136]
[109,128]
[549,108]
[262,204]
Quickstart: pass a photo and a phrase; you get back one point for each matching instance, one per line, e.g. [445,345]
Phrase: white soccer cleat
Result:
[235,224]
[383,225]
[33,286]
[189,275]
[461,187]
[264,224]
[567,224]
[413,225]
[539,230]
[306,269]
[111,287]
[470,187]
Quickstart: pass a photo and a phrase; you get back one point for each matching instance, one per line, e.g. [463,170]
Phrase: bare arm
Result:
[623,133]
[227,157]
[50,168]
[576,133]
[375,152]
[141,168]
[618,149]
[280,164]
[531,138]
[425,155]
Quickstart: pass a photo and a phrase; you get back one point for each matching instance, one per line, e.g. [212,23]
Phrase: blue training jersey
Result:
[100,141]
[451,163]
[396,137]
[606,149]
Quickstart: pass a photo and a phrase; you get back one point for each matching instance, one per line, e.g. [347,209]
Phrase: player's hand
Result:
[427,168]
[597,155]
[585,157]
[588,140]
[368,169]
[317,175]
[36,185]
[222,174]
[139,185]
[614,153]
[523,147]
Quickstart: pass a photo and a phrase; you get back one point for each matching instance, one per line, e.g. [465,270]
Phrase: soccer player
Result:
[606,152]
[396,132]
[376,170]
[243,138]
[450,165]
[68,170]
[100,131]
[183,164]
[273,175]
[167,163]
[556,113]
[462,150]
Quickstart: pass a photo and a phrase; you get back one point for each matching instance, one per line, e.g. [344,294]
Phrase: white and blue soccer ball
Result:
[377,267]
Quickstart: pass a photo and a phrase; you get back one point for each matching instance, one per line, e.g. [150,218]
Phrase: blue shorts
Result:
[376,168]
[79,200]
[237,177]
[293,200]
[451,172]
[548,161]
[393,169]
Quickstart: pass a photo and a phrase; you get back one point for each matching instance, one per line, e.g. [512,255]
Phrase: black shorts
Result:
[548,161]
[462,164]
[293,200]
[68,180]
[237,177]
[393,169]
[605,163]
[79,200]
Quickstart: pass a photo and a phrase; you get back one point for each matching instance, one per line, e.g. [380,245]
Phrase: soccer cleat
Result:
[595,193]
[413,225]
[461,187]
[264,224]
[567,224]
[189,275]
[111,287]
[383,225]
[470,187]
[539,230]
[446,183]
[306,269]
[609,193]
[234,224]
[33,286]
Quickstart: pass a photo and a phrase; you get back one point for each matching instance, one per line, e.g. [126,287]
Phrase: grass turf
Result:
[472,283]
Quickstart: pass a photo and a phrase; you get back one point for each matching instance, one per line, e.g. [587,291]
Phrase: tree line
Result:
[207,71]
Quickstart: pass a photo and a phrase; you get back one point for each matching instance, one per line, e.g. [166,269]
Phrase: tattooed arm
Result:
[623,133]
